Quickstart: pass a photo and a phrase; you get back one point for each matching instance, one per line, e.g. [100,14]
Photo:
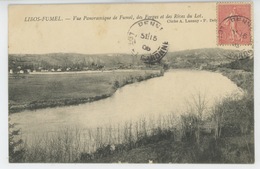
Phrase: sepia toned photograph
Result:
[131,83]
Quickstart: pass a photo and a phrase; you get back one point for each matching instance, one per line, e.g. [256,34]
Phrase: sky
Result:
[93,37]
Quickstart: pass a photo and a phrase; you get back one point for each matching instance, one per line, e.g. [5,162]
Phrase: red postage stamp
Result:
[234,24]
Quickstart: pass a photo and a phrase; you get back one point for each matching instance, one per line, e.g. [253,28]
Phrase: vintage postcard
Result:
[131,83]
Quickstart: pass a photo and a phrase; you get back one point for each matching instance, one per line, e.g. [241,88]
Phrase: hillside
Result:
[200,57]
[180,59]
[229,140]
[72,60]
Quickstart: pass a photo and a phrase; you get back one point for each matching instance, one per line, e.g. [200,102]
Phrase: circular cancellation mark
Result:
[146,40]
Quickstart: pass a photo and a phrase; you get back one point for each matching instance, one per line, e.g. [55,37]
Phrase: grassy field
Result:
[162,140]
[49,90]
[231,139]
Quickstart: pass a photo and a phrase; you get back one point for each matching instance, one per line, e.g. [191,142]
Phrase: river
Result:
[172,93]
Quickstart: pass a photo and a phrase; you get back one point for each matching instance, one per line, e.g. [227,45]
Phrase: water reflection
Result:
[172,93]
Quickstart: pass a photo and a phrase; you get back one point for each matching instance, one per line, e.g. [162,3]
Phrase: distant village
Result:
[20,70]
[92,67]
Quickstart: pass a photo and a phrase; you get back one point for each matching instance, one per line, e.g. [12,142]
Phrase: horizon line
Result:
[108,53]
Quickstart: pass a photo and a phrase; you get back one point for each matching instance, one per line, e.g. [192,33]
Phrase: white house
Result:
[11,71]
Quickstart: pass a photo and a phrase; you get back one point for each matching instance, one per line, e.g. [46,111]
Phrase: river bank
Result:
[231,139]
[55,90]
[243,79]
[156,139]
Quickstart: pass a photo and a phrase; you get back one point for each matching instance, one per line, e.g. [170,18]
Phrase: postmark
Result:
[240,55]
[147,41]
[234,24]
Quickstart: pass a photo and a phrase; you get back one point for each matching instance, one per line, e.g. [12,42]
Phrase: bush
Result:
[16,150]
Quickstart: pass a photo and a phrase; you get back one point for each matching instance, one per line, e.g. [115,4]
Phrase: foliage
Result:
[16,150]
[246,64]
[162,140]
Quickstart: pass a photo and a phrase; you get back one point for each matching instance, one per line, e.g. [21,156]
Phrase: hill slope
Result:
[180,59]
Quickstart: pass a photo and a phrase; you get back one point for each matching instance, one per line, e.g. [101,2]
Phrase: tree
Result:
[197,106]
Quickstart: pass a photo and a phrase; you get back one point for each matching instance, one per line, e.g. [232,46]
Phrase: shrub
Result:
[16,150]
[116,84]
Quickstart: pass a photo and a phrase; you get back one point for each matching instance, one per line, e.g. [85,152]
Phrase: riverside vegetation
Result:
[226,136]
